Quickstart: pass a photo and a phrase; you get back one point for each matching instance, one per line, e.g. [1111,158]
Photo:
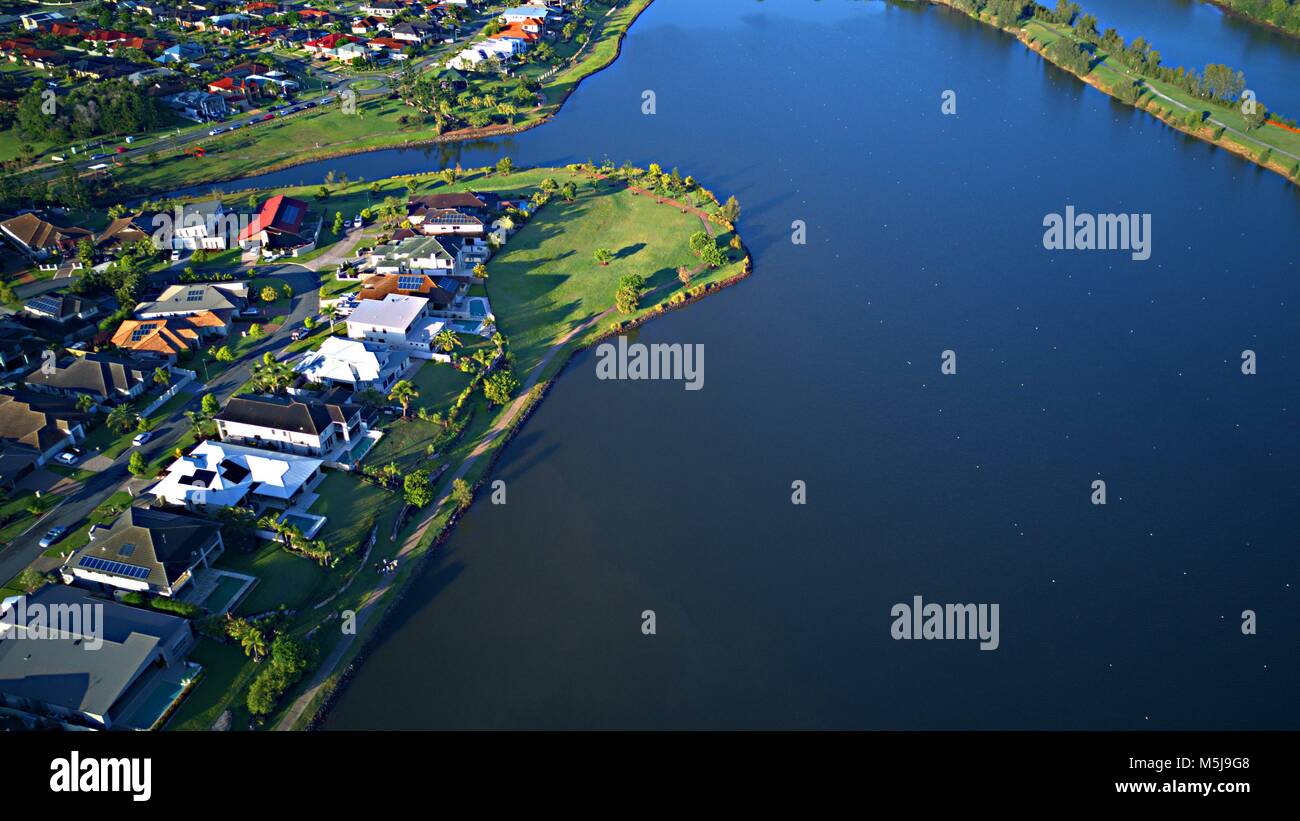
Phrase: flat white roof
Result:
[394,312]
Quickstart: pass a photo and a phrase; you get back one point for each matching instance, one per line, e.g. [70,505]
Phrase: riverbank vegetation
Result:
[550,298]
[1211,104]
[1280,14]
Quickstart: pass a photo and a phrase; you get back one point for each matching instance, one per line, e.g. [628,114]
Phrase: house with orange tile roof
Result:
[168,337]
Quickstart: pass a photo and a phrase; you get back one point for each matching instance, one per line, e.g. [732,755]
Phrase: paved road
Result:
[77,506]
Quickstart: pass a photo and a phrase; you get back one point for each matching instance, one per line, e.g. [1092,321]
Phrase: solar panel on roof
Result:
[194,295]
[291,212]
[49,304]
[408,282]
[131,571]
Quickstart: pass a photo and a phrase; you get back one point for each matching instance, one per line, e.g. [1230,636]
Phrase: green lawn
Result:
[227,673]
[350,506]
[544,282]
[284,579]
[15,505]
[106,513]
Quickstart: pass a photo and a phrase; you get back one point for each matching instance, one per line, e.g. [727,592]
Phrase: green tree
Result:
[603,256]
[505,166]
[338,223]
[500,386]
[209,406]
[162,376]
[287,290]
[447,340]
[480,271]
[256,331]
[85,402]
[223,354]
[461,494]
[121,419]
[268,294]
[136,465]
[417,490]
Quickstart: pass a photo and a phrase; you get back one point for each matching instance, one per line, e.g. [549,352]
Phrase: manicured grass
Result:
[350,506]
[284,579]
[15,504]
[226,675]
[544,283]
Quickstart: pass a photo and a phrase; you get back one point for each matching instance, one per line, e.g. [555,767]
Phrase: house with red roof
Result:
[327,46]
[278,229]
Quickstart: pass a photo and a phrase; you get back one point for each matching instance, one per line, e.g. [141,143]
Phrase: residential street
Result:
[74,510]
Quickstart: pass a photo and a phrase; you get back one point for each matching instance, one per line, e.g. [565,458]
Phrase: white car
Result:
[215,131]
[141,438]
[70,456]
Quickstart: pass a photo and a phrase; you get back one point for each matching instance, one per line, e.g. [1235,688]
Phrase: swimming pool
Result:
[478,307]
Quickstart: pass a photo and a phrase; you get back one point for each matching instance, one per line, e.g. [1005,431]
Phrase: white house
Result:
[353,364]
[218,474]
[399,322]
[317,428]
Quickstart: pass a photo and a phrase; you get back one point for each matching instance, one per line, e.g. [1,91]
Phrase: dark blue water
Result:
[924,235]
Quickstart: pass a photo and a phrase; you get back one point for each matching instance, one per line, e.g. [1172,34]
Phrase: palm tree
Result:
[85,402]
[404,391]
[330,312]
[253,642]
[161,376]
[447,340]
[121,419]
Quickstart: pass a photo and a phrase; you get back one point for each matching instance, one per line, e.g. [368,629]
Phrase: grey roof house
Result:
[104,378]
[97,669]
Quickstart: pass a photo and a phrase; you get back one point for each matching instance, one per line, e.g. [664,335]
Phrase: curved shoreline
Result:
[1224,142]
[464,135]
[1254,21]
[535,396]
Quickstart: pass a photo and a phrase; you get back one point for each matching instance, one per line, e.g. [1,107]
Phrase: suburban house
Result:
[33,430]
[439,254]
[183,52]
[312,427]
[349,363]
[18,347]
[205,225]
[106,379]
[61,307]
[168,337]
[442,292]
[523,14]
[60,677]
[124,232]
[414,255]
[146,550]
[402,323]
[214,475]
[448,221]
[413,33]
[39,239]
[277,229]
[201,106]
[223,300]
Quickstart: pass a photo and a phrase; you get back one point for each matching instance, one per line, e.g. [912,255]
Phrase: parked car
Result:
[268,117]
[297,334]
[141,437]
[251,312]
[215,131]
[356,221]
[175,256]
[98,156]
[54,534]
[70,456]
[121,149]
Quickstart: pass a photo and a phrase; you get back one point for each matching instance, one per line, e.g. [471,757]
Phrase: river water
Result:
[924,235]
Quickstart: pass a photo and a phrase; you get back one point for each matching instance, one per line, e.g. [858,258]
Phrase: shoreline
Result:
[464,135]
[352,660]
[1225,142]
[1254,21]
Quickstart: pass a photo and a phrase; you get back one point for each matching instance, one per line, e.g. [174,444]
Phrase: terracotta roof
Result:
[172,335]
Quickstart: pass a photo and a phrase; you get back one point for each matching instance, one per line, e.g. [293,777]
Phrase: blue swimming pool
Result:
[478,307]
